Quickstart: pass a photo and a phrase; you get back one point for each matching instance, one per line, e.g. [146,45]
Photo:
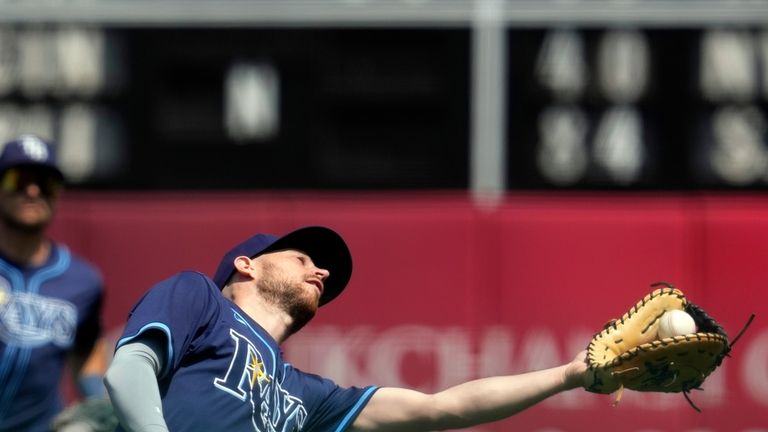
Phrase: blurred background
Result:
[509,175]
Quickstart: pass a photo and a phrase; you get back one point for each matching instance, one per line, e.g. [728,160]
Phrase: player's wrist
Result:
[569,379]
[574,373]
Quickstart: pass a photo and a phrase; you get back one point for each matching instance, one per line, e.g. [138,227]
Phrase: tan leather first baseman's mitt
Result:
[629,354]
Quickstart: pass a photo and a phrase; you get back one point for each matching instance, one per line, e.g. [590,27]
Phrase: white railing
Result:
[523,13]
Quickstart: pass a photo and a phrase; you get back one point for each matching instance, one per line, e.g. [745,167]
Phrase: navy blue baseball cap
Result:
[326,248]
[29,150]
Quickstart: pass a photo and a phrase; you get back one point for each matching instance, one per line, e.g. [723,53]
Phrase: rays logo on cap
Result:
[34,148]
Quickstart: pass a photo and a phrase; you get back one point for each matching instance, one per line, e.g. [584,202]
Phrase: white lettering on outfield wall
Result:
[430,359]
[754,371]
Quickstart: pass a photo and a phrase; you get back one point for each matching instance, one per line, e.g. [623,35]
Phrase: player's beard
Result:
[289,295]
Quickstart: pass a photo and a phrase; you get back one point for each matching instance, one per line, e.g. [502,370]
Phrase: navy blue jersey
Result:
[224,372]
[45,312]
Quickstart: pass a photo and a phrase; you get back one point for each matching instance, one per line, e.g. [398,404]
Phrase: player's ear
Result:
[246,267]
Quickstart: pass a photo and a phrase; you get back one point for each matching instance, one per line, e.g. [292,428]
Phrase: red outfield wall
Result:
[444,291]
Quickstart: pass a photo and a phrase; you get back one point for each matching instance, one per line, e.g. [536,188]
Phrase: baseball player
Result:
[201,354]
[49,298]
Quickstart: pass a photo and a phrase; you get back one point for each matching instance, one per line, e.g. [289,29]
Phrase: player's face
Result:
[290,280]
[27,197]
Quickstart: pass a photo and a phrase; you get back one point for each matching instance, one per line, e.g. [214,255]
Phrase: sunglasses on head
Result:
[17,179]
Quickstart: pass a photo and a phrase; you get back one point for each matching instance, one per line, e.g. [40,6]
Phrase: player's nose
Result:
[322,273]
[32,190]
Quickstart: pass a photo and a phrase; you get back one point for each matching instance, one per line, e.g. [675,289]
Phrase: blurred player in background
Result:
[201,354]
[50,299]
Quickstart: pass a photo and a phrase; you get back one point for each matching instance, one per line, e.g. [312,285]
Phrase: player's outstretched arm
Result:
[472,403]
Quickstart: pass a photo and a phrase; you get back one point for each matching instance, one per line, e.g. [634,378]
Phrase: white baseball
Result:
[676,323]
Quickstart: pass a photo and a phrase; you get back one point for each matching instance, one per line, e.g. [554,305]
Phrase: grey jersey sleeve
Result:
[131,382]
